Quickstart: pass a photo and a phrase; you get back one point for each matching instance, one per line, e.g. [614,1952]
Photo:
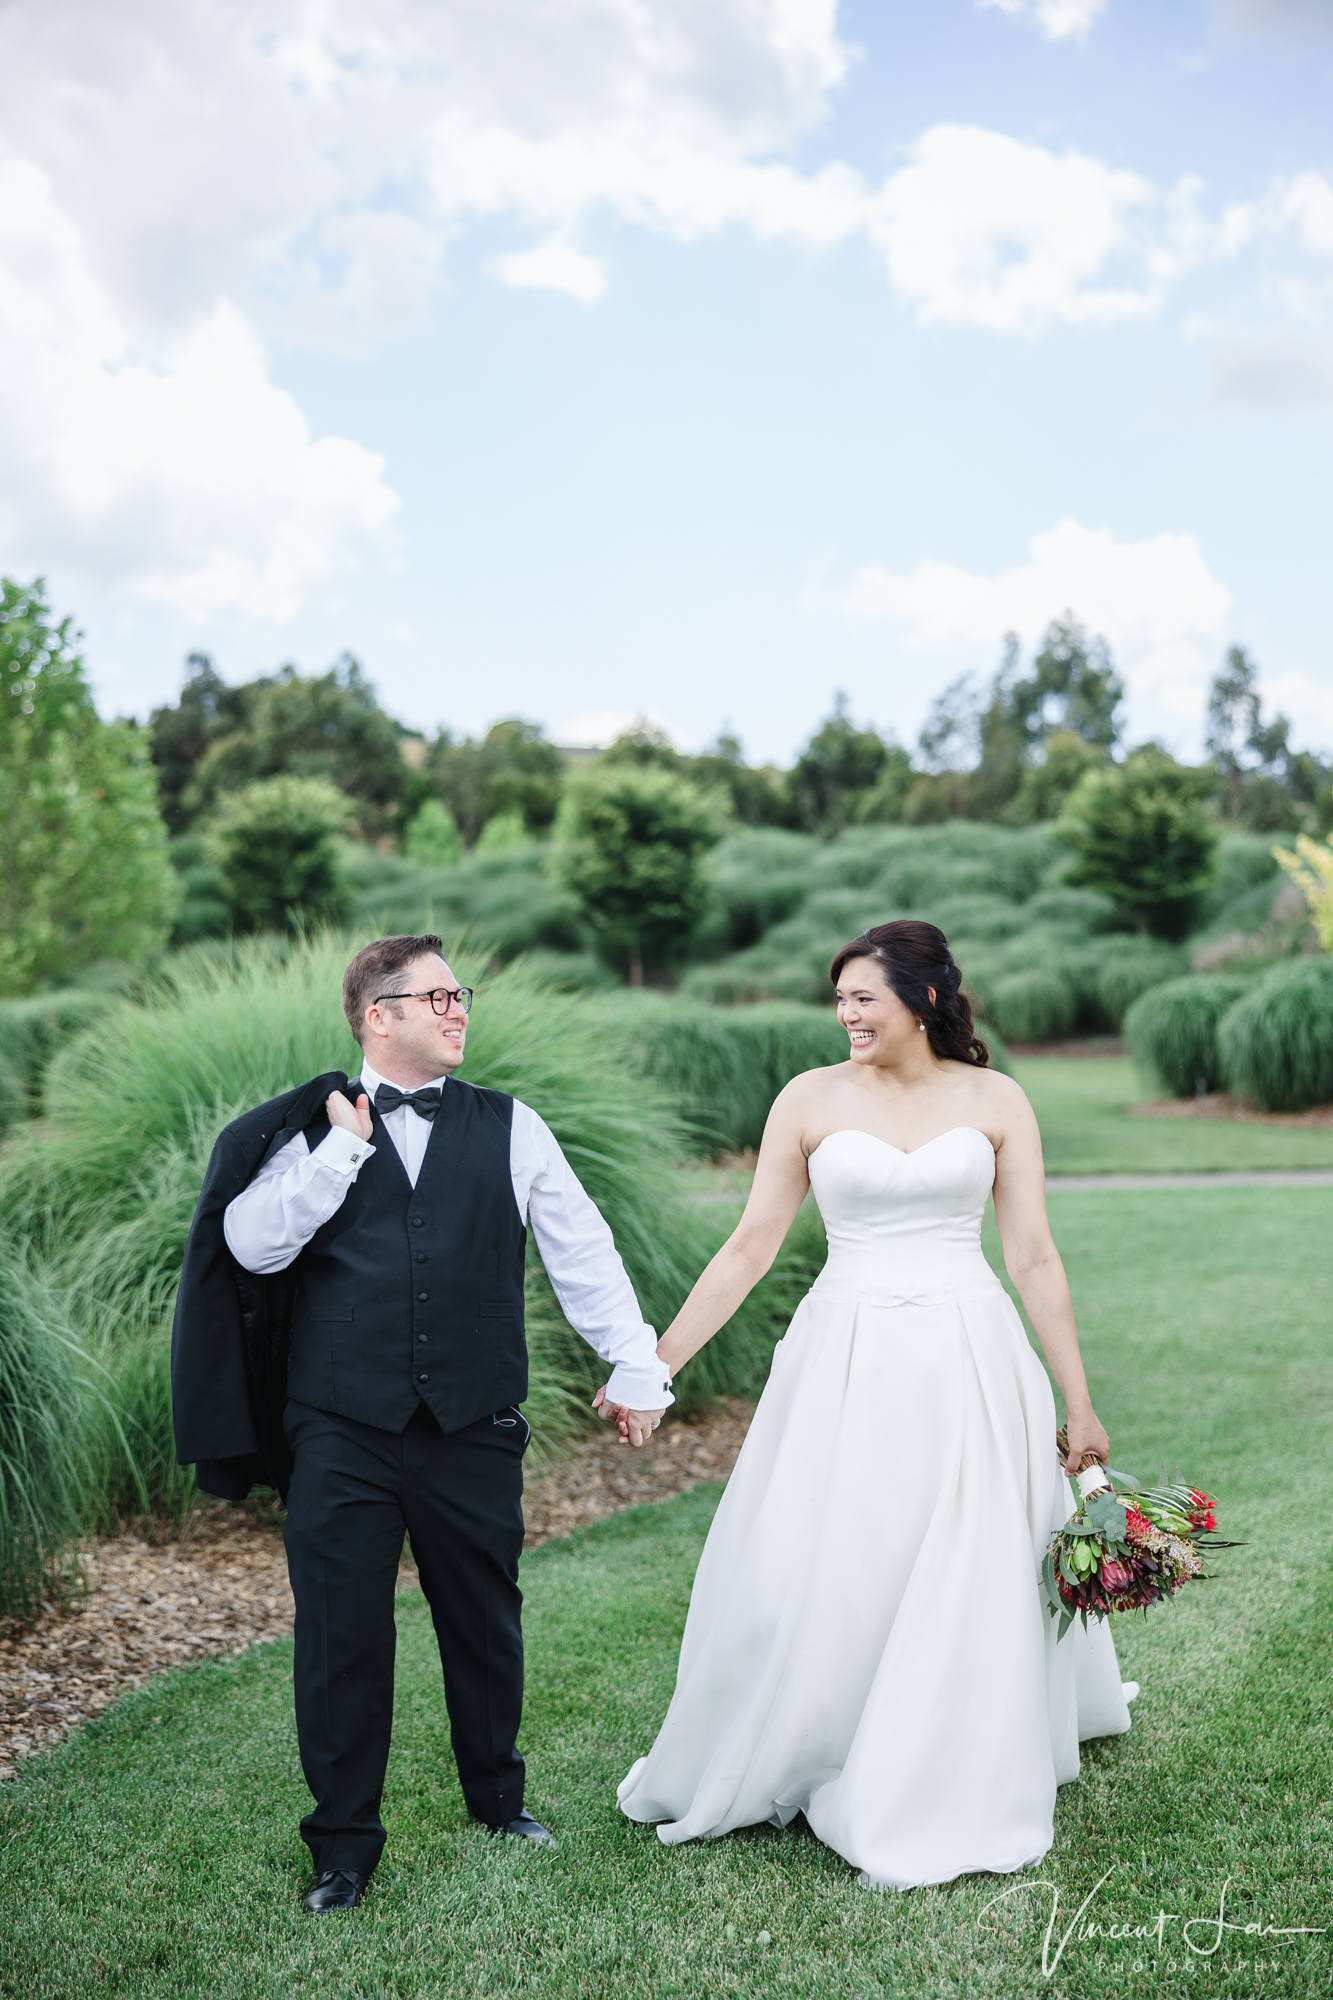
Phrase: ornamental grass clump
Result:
[105,1188]
[1276,1040]
[42,1482]
[1172,1033]
[722,1067]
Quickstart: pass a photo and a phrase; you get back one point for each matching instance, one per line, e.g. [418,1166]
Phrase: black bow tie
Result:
[424,1102]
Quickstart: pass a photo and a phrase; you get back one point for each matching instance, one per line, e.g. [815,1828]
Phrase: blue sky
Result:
[588,358]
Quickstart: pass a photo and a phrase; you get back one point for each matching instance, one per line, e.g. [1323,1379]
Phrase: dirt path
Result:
[223,1585]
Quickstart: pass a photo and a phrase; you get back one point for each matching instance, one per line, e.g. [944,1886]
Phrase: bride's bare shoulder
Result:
[814,1083]
[809,1090]
[1001,1096]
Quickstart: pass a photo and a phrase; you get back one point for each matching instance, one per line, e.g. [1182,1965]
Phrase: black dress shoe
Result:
[525,1827]
[336,1889]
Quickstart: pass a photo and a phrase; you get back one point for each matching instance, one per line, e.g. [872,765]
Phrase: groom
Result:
[349,1329]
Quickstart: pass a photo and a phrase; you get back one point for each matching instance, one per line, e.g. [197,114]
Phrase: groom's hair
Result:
[374,969]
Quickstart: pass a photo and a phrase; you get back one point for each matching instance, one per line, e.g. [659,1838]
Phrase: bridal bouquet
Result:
[1123,1554]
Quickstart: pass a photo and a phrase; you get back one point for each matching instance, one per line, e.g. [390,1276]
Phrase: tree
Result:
[838,764]
[207,708]
[84,873]
[274,845]
[219,739]
[1073,688]
[754,796]
[629,843]
[1142,835]
[986,755]
[512,770]
[1267,786]
[1045,786]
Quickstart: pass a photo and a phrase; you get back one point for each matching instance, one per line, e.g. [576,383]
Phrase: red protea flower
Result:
[1116,1576]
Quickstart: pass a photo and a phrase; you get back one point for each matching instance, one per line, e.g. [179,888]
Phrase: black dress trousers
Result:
[354,1491]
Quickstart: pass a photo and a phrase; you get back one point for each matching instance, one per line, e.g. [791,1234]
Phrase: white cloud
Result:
[553,267]
[1164,612]
[179,470]
[1058,20]
[181,180]
[983,230]
[296,170]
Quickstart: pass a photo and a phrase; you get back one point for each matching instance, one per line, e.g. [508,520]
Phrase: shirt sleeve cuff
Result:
[641,1388]
[342,1151]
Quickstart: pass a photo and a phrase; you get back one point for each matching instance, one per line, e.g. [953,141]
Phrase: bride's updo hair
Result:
[914,957]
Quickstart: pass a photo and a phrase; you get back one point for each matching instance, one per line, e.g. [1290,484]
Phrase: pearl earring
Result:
[922,1026]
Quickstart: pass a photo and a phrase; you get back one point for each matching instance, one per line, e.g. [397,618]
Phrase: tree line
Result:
[249,789]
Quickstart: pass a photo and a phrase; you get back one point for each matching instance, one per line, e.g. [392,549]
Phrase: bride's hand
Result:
[1085,1435]
[635,1426]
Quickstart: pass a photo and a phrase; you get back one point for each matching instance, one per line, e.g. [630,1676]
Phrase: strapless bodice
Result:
[905,1226]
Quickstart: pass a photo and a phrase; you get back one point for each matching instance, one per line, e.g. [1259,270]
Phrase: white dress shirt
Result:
[297,1191]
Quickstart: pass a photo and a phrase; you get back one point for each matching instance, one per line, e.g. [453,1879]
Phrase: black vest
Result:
[411,1294]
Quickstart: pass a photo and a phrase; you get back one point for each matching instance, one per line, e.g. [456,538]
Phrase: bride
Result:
[867,1641]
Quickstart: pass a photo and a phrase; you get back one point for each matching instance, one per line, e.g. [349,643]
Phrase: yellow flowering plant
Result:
[1311,869]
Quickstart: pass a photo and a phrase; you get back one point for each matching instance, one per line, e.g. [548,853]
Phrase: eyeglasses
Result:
[439,997]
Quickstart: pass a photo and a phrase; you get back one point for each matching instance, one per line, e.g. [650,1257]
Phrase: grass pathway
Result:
[156,1854]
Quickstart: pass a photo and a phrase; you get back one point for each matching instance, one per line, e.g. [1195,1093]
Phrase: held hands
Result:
[356,1120]
[1085,1435]
[635,1426]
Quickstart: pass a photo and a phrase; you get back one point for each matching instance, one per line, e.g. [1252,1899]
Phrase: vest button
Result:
[423,1296]
[416,1222]
[423,1337]
[423,1378]
[421,1256]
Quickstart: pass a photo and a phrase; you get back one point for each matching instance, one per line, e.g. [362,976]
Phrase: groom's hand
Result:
[353,1118]
[635,1426]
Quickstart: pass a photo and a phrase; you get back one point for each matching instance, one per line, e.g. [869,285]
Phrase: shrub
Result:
[1172,1033]
[129,1449]
[1276,1040]
[431,837]
[108,1199]
[722,1068]
[1035,1006]
[1311,869]
[502,832]
[1142,835]
[41,1474]
[30,1033]
[629,845]
[274,847]
[507,899]
[979,919]
[1123,974]
[1082,912]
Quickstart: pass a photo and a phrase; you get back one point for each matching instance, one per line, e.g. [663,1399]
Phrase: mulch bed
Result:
[223,1585]
[1221,1104]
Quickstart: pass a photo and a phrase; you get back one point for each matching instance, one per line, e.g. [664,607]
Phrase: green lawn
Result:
[156,1854]
[1082,1105]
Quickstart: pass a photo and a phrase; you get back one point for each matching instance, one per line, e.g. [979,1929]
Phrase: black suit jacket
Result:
[230,1336]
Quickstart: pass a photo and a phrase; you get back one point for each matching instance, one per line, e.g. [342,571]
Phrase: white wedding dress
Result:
[867,1640]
